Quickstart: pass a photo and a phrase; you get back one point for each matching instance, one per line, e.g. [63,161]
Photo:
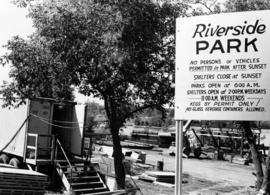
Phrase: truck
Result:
[48,136]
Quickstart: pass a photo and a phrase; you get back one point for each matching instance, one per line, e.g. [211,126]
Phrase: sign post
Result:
[179,149]
[222,70]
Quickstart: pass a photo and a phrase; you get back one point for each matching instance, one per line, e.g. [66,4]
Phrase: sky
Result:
[13,22]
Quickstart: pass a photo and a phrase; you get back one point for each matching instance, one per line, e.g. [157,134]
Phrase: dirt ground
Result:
[202,176]
[207,176]
[192,184]
[196,187]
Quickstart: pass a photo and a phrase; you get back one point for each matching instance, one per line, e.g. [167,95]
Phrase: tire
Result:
[4,159]
[15,162]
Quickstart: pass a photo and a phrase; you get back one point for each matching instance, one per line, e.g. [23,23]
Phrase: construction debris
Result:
[158,176]
[20,181]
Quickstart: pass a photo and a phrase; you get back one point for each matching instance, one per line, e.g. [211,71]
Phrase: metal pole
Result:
[176,189]
[179,150]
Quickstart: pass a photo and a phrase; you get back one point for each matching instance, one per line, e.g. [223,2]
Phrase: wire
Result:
[57,120]
[15,134]
[49,123]
[68,122]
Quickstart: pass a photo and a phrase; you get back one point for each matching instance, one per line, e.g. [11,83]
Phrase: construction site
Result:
[45,149]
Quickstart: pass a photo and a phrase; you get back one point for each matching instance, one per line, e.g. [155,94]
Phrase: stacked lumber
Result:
[19,181]
[239,160]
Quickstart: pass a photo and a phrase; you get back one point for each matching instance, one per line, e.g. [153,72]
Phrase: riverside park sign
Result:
[223,67]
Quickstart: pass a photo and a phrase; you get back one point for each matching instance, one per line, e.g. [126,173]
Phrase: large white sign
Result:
[223,67]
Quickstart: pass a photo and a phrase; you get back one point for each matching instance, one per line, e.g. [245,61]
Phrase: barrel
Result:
[160,165]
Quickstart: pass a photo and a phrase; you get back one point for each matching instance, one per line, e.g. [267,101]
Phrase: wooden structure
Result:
[19,181]
[223,136]
[48,136]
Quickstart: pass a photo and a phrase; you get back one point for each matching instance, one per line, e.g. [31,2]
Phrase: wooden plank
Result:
[222,136]
[240,161]
[117,192]
[160,173]
[31,147]
[19,171]
[89,189]
[23,176]
[39,161]
[22,188]
[23,181]
[32,135]
[20,192]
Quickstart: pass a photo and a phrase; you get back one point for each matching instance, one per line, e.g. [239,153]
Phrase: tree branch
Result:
[209,9]
[168,43]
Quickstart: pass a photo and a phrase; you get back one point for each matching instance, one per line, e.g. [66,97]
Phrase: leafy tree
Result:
[34,71]
[120,52]
[202,7]
[246,5]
